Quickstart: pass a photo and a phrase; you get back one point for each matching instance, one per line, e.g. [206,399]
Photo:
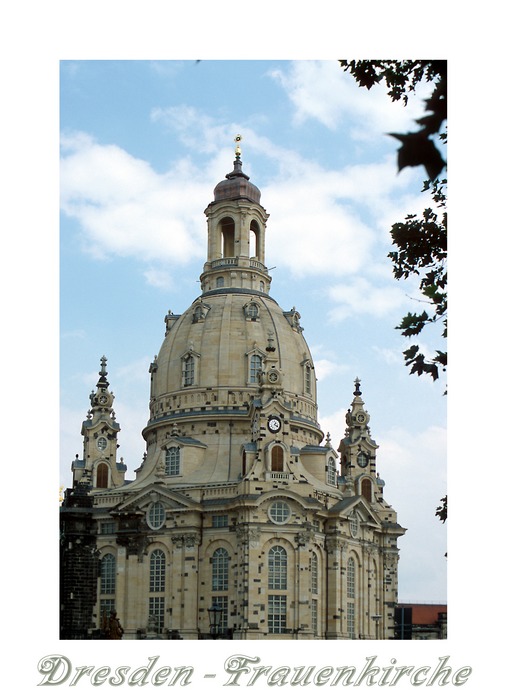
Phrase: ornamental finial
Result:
[357,382]
[103,365]
[237,140]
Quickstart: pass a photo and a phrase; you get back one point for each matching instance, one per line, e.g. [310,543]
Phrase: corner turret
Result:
[98,468]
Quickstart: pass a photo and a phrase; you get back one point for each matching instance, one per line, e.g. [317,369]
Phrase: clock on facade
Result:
[273,376]
[274,424]
[360,417]
[103,399]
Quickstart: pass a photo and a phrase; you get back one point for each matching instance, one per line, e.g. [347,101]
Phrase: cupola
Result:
[236,235]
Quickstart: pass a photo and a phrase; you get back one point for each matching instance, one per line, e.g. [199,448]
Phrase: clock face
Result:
[360,418]
[273,377]
[274,424]
[103,399]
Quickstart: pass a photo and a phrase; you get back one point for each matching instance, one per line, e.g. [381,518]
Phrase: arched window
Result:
[351,578]
[254,240]
[172,461]
[220,570]
[251,311]
[277,459]
[277,568]
[351,594]
[157,571]
[102,476]
[188,370]
[366,489]
[200,312]
[108,575]
[315,573]
[308,379]
[255,368]
[156,603]
[331,472]
[227,226]
[220,282]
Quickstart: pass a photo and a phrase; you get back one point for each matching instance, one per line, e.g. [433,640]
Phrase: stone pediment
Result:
[347,506]
[157,493]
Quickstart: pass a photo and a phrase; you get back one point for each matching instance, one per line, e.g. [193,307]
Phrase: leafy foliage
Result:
[441,511]
[402,78]
[422,252]
[421,242]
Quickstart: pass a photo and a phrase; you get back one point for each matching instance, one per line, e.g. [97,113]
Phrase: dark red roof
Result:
[425,613]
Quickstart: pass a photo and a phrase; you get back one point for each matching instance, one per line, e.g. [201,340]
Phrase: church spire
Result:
[102,398]
[357,417]
[357,448]
[99,467]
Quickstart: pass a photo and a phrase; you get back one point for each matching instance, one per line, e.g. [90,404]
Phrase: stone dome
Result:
[231,352]
[233,358]
[237,185]
[221,331]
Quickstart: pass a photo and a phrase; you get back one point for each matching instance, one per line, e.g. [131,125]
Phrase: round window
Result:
[156,516]
[363,459]
[279,512]
[102,443]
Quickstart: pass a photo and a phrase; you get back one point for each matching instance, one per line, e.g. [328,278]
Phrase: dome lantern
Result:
[236,234]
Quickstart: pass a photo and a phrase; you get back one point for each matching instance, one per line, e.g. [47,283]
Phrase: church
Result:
[243,520]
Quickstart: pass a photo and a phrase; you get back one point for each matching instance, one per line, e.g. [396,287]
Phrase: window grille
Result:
[156,516]
[277,614]
[108,574]
[156,612]
[351,578]
[220,570]
[157,571]
[351,620]
[221,602]
[172,461]
[255,368]
[188,371]
[277,568]
[315,574]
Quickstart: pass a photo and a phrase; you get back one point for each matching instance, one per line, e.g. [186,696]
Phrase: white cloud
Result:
[324,222]
[360,296]
[196,130]
[125,208]
[414,467]
[322,90]
[159,278]
[326,362]
[389,355]
[324,368]
[334,424]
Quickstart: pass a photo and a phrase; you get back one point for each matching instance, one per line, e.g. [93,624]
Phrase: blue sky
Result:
[143,143]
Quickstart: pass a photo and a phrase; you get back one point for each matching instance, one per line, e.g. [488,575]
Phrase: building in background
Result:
[243,519]
[421,621]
